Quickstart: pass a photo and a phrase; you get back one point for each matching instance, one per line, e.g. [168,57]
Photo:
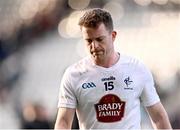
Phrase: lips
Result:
[97,52]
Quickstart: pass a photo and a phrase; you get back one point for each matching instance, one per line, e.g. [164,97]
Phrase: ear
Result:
[114,33]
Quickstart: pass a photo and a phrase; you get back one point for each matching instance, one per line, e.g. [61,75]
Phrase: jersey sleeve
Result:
[149,95]
[66,95]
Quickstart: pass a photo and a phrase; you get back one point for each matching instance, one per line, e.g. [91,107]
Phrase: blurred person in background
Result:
[35,117]
[8,116]
[106,88]
[176,120]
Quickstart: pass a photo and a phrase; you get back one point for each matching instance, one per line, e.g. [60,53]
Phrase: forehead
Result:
[94,32]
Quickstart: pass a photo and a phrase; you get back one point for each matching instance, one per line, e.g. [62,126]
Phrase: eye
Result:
[88,41]
[99,39]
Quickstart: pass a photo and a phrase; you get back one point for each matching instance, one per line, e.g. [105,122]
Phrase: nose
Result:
[95,44]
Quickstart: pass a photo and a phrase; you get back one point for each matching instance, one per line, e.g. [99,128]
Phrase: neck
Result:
[109,61]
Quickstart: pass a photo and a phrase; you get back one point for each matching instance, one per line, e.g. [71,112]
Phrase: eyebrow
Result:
[95,37]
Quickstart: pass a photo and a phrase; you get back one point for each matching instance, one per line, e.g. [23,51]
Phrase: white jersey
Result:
[108,98]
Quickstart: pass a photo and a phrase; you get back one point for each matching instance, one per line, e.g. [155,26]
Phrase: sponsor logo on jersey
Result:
[110,108]
[88,85]
[128,82]
[109,78]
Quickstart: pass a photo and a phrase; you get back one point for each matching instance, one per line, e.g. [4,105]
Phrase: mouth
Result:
[97,53]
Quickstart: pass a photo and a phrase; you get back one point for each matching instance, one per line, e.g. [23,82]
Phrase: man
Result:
[106,88]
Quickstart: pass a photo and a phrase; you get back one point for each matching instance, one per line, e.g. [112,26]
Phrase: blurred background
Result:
[39,39]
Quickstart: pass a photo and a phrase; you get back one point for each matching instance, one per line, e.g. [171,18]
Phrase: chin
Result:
[97,59]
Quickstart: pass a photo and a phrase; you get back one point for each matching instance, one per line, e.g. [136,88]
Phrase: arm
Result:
[64,118]
[159,116]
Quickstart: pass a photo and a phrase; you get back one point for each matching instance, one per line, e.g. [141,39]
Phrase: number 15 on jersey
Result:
[109,85]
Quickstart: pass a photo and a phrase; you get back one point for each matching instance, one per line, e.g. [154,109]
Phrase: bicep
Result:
[156,111]
[64,118]
[159,116]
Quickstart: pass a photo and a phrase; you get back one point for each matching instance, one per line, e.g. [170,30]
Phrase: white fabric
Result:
[85,86]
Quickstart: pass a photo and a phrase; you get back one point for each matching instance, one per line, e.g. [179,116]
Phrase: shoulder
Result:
[137,67]
[131,61]
[134,64]
[79,67]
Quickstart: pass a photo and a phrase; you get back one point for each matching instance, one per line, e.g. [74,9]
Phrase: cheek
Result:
[89,47]
[109,45]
